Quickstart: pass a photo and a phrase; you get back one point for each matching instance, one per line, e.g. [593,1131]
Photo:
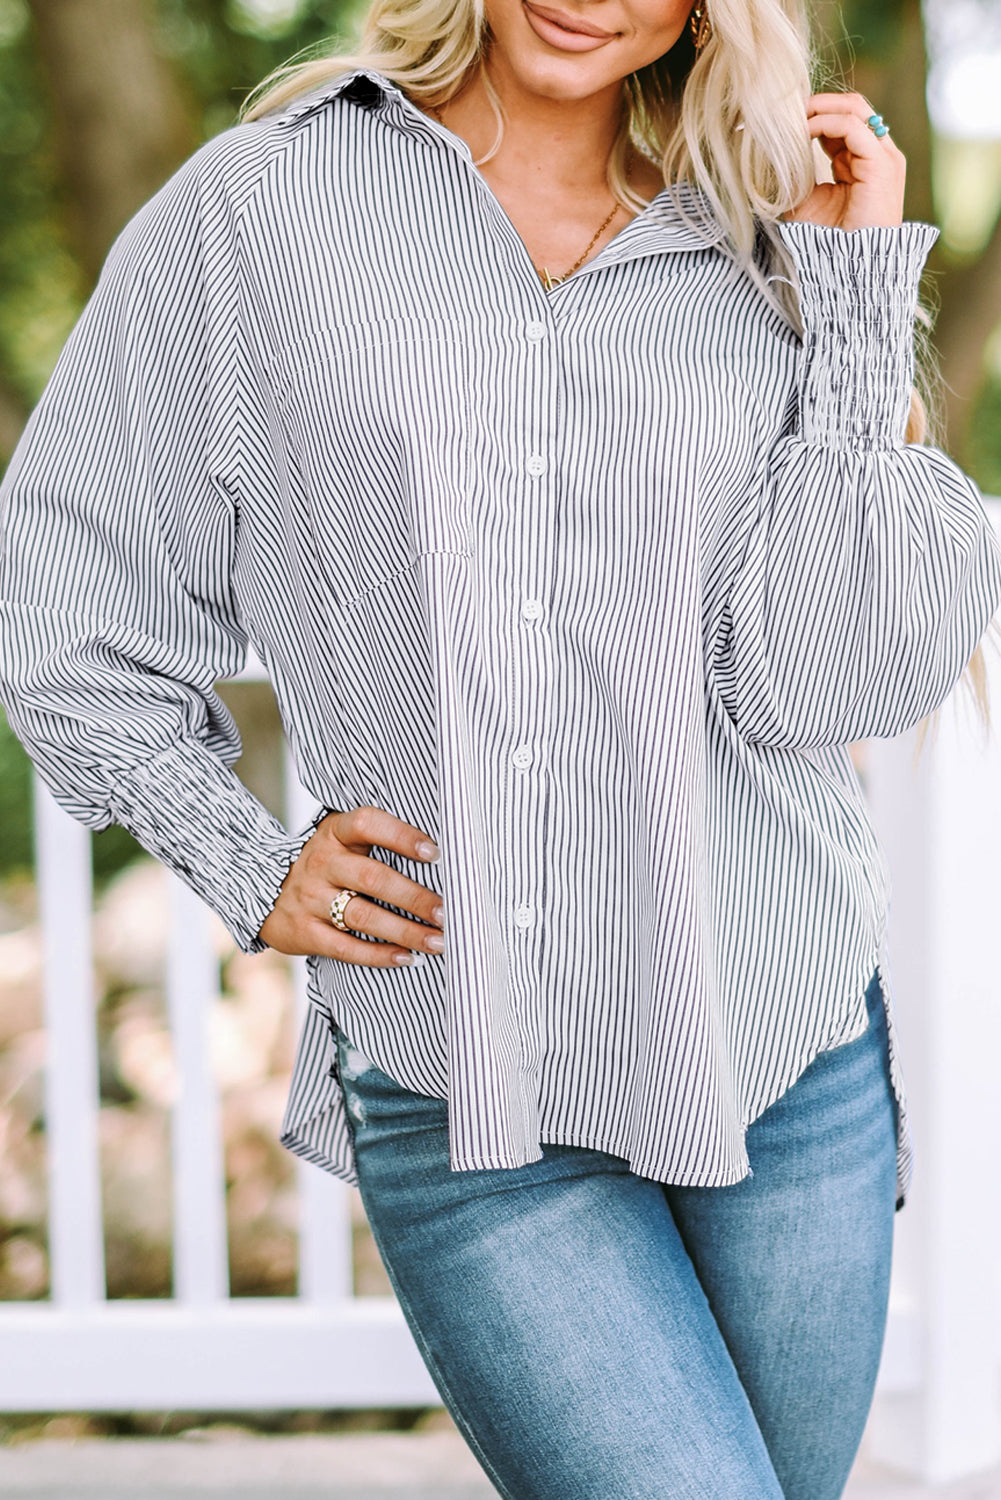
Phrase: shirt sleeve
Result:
[117,544]
[870,569]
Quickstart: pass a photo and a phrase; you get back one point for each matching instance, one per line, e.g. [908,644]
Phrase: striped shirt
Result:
[593,585]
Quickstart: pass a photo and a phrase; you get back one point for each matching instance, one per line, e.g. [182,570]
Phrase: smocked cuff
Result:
[858,295]
[186,807]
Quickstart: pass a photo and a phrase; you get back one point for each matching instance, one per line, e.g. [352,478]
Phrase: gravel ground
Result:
[428,1466]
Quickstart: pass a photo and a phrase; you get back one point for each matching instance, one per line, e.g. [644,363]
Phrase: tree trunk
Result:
[970,295]
[122,119]
[970,305]
[12,419]
[895,87]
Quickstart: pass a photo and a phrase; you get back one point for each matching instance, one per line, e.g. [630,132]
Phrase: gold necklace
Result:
[548,281]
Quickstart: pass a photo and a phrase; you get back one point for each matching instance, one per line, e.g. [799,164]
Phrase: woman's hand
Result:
[336,858]
[869,170]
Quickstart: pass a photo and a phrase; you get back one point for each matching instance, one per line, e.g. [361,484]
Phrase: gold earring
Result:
[701,27]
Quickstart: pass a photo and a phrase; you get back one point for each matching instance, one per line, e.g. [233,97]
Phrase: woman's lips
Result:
[565,31]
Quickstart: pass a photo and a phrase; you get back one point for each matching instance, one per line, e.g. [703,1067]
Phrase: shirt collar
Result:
[362,85]
[665,224]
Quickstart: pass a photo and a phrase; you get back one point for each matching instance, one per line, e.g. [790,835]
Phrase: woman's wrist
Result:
[858,294]
[192,812]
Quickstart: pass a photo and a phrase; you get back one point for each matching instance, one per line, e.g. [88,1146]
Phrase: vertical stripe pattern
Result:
[595,586]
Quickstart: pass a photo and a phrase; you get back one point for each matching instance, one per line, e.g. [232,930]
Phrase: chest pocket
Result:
[376,421]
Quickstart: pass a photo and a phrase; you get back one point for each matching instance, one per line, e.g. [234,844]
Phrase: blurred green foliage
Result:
[40,289]
[985,437]
[15,805]
[222,48]
[112,849]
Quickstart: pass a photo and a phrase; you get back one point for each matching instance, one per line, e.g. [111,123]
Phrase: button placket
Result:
[530,680]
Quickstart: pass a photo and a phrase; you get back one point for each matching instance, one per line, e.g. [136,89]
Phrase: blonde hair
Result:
[727,118]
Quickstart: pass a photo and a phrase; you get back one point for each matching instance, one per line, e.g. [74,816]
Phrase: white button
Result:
[531,609]
[524,916]
[522,757]
[535,332]
[536,464]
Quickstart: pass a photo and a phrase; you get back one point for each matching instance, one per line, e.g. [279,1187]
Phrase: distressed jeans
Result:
[599,1336]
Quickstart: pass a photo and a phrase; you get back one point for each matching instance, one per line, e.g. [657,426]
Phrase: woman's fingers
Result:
[839,129]
[858,103]
[337,858]
[840,122]
[362,827]
[374,921]
[300,922]
[868,170]
[342,869]
[319,936]
[370,877]
[349,949]
[844,104]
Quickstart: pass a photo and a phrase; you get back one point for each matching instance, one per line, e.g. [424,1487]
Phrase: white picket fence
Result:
[201,1349]
[938,1407]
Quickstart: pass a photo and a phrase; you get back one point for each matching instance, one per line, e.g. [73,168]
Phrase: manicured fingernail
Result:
[438,915]
[435,943]
[428,851]
[404,958]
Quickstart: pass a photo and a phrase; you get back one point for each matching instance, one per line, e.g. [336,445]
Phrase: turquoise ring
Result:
[876,125]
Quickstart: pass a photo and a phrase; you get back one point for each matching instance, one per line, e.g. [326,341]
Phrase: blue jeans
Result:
[599,1336]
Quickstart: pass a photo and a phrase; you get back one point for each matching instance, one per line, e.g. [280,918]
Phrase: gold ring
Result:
[337,906]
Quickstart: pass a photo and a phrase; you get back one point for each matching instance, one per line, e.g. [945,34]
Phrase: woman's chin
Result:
[563,77]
